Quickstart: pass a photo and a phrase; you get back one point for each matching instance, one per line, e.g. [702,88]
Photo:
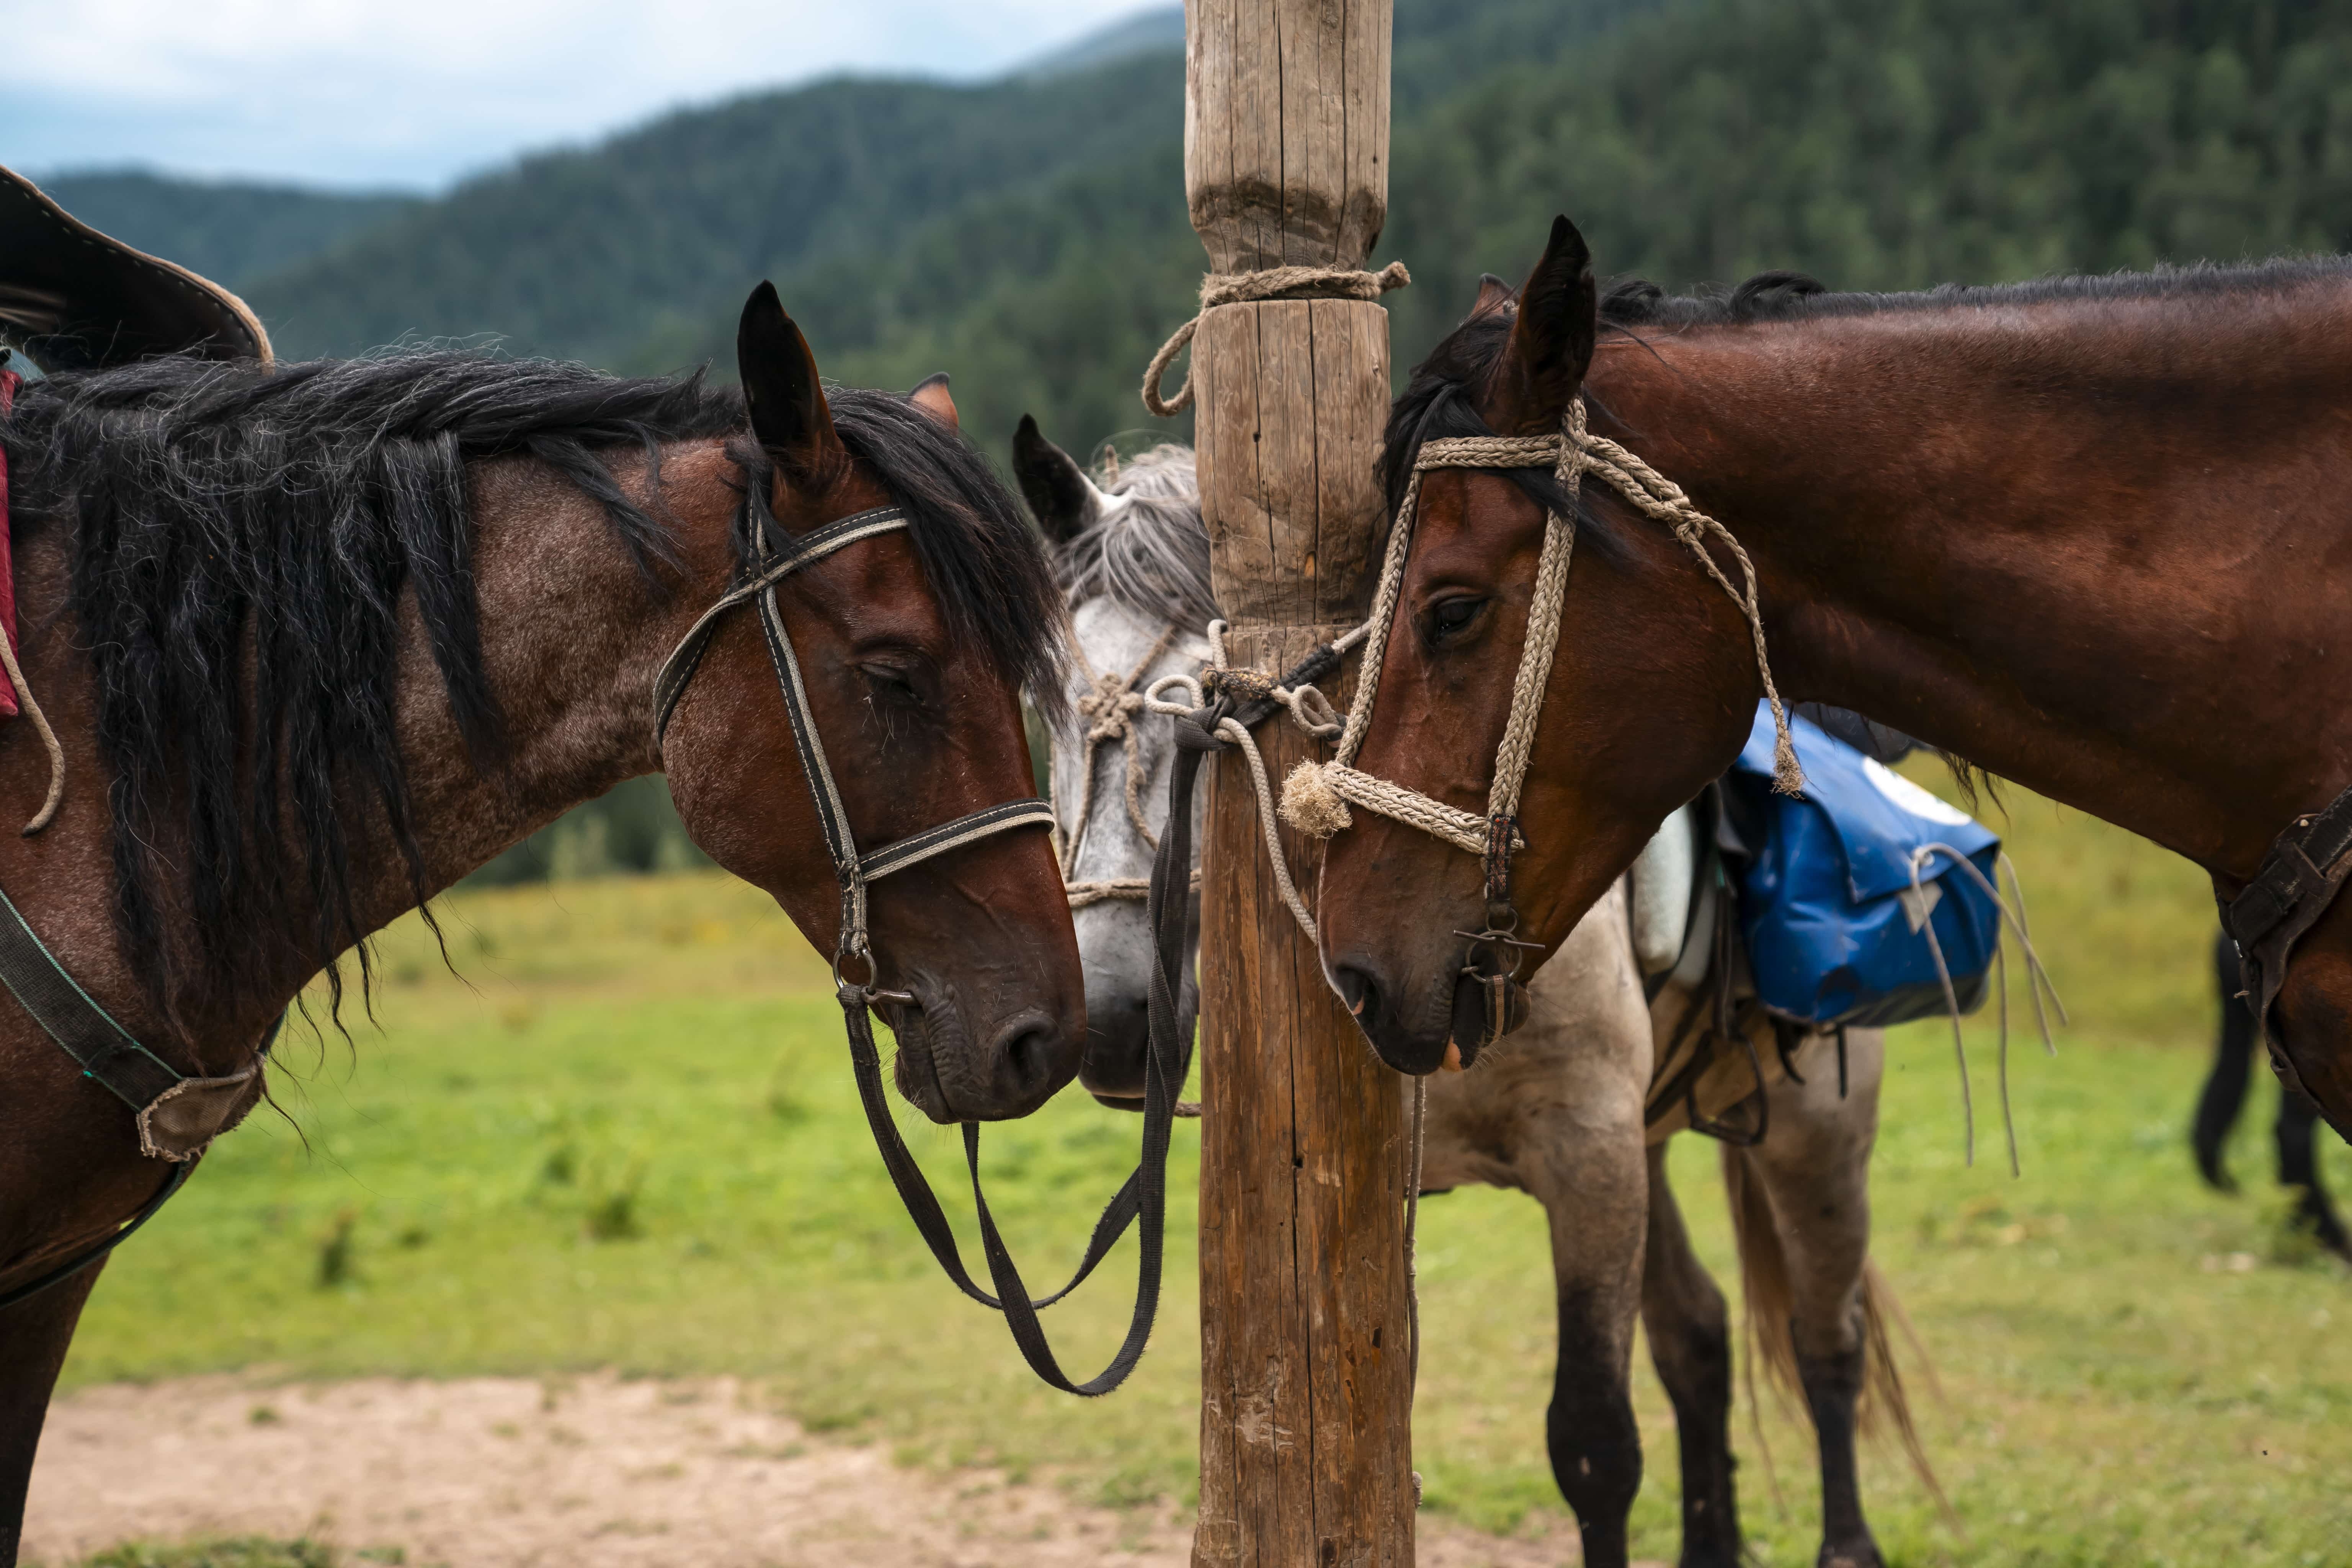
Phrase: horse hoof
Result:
[1863,1555]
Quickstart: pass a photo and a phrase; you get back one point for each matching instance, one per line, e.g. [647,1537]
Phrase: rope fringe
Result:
[1274,283]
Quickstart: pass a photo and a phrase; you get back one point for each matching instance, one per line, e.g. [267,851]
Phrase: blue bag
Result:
[1833,927]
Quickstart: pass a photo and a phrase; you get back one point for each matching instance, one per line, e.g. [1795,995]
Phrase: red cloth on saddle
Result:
[8,381]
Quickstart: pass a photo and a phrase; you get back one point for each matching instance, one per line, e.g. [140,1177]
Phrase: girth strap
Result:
[178,1116]
[2300,878]
[86,1031]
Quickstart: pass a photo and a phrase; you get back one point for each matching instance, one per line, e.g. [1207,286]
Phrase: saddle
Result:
[76,300]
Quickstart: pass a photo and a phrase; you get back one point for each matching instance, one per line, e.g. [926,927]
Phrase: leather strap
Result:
[67,1270]
[2299,881]
[85,1030]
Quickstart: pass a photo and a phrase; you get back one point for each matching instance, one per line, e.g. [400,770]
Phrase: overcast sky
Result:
[417,92]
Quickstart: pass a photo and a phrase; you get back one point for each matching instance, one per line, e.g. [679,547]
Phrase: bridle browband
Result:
[1316,796]
[1145,1193]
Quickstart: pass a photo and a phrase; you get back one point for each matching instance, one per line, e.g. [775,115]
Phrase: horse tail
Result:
[1885,1402]
[1768,1300]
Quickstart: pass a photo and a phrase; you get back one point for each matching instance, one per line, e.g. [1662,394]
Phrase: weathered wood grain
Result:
[1306,1418]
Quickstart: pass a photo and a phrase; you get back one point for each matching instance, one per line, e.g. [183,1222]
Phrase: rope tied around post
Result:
[1273,283]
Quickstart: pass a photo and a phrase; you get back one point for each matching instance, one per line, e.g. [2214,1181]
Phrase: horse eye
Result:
[1448,617]
[890,680]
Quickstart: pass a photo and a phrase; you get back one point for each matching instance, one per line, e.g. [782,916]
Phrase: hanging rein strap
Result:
[1145,1192]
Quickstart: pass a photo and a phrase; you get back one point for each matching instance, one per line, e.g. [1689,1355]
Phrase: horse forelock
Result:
[1150,554]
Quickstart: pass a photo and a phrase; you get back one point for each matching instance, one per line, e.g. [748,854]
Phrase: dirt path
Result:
[587,1473]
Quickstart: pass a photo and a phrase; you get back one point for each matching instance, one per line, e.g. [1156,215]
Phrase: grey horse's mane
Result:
[1151,556]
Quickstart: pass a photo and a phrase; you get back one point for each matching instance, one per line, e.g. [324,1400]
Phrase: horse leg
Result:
[34,1335]
[2296,1131]
[1801,1203]
[1690,1344]
[2225,1094]
[1588,1178]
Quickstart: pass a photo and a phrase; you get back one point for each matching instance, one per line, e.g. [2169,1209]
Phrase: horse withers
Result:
[318,640]
[1572,1109]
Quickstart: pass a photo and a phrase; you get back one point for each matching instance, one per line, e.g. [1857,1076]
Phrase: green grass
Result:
[629,1139]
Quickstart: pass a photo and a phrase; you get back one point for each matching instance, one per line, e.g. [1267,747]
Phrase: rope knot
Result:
[1109,707]
[1273,283]
[1310,805]
[1239,687]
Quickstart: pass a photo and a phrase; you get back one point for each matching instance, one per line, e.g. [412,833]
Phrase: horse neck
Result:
[2066,540]
[572,636]
[572,633]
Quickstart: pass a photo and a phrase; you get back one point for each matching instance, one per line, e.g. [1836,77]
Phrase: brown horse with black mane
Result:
[320,640]
[2088,534]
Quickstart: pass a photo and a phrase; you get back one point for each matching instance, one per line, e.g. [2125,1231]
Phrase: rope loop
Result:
[1273,283]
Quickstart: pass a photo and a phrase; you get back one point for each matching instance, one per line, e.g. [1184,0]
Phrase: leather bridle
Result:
[1145,1191]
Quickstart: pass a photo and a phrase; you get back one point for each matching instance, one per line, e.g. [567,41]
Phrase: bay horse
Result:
[2088,534]
[318,640]
[1575,1109]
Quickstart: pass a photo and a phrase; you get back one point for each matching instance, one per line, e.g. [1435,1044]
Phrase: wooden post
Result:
[1306,1408]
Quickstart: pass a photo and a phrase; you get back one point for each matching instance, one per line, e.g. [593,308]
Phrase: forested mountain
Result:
[590,255]
[231,231]
[636,252]
[1030,238]
[1895,145]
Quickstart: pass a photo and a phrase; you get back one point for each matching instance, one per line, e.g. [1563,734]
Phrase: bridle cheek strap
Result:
[855,872]
[1144,1194]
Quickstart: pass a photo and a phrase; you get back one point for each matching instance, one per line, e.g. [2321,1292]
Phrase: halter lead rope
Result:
[1315,796]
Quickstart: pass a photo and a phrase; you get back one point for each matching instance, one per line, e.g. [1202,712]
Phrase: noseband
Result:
[1316,796]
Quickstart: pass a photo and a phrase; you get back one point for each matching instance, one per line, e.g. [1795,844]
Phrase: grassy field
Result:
[627,1137]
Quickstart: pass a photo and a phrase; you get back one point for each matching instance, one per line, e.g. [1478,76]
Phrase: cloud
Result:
[416,94]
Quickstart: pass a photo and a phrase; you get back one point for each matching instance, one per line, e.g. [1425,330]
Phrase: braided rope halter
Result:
[1316,796]
[1109,707]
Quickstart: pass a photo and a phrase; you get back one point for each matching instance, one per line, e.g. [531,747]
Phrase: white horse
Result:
[1631,1037]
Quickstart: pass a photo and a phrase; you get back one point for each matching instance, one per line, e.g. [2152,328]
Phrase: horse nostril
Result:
[1031,1051]
[1356,989]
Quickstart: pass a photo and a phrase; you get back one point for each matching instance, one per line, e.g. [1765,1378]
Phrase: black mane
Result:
[240,541]
[1440,399]
[1794,297]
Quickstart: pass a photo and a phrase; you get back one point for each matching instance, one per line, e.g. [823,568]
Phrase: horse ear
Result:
[1551,341]
[1493,294]
[1053,484]
[781,386]
[931,395]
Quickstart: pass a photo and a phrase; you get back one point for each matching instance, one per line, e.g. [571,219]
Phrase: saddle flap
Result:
[80,300]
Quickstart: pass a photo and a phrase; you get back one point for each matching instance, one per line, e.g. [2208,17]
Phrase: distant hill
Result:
[1157,31]
[230,231]
[587,254]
